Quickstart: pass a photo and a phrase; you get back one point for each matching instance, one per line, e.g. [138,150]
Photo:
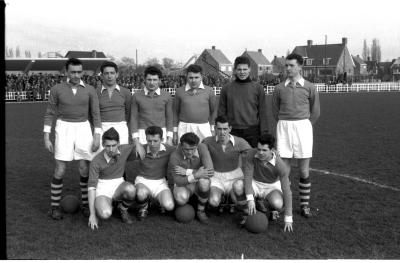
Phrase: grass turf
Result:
[357,134]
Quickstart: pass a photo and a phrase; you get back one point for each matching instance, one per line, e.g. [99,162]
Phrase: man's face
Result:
[242,71]
[154,142]
[152,82]
[264,152]
[74,73]
[223,130]
[109,76]
[194,79]
[292,68]
[188,150]
[111,147]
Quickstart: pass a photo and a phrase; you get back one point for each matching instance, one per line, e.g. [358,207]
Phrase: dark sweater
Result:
[117,108]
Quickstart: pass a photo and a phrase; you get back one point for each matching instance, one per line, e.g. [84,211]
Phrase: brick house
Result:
[259,64]
[214,62]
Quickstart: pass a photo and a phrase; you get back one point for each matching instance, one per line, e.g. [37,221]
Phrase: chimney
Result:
[275,57]
[368,58]
[259,50]
[309,43]
[213,47]
[94,54]
[344,41]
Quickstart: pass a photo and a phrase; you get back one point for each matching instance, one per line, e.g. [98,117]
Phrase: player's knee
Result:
[214,200]
[104,213]
[168,204]
[181,197]
[83,168]
[141,194]
[59,171]
[238,188]
[129,192]
[204,185]
[275,200]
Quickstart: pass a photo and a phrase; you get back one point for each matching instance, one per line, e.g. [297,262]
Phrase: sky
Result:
[179,29]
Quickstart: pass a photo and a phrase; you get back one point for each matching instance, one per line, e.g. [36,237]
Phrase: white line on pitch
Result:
[356,179]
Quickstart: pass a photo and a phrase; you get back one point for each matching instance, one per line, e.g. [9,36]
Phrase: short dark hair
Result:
[190,138]
[221,119]
[154,130]
[297,57]
[111,134]
[152,70]
[267,138]
[108,64]
[73,61]
[241,60]
[194,69]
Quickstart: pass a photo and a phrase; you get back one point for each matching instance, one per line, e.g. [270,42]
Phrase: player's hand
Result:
[169,141]
[179,170]
[175,138]
[139,149]
[251,205]
[204,173]
[96,142]
[93,222]
[48,145]
[288,226]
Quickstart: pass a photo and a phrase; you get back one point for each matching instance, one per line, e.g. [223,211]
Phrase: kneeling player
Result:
[191,167]
[266,176]
[151,180]
[106,183]
[225,150]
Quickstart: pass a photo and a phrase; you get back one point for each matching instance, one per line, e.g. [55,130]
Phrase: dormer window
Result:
[309,61]
[325,61]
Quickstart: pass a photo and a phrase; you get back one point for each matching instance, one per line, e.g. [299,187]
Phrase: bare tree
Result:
[365,51]
[7,52]
[17,52]
[152,62]
[376,50]
[168,63]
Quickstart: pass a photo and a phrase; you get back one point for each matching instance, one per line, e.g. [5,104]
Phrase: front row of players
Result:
[221,165]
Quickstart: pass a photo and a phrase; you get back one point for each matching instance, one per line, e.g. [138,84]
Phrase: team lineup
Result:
[185,146]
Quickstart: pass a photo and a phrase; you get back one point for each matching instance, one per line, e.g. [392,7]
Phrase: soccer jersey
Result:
[155,167]
[114,108]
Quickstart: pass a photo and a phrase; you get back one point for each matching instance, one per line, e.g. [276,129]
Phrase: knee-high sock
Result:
[305,191]
[84,190]
[202,200]
[56,192]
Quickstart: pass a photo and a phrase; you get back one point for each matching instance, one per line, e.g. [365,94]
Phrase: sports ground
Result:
[355,198]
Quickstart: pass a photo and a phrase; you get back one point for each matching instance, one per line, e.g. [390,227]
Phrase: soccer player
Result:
[151,180]
[243,103]
[106,183]
[266,176]
[191,168]
[71,102]
[151,107]
[194,106]
[296,108]
[225,151]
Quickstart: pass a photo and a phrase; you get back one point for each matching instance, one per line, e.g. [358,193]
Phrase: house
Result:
[259,64]
[327,60]
[395,68]
[360,66]
[278,65]
[372,66]
[85,54]
[214,62]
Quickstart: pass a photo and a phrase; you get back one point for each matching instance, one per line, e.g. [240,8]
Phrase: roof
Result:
[317,53]
[358,60]
[279,61]
[396,63]
[257,57]
[218,56]
[85,54]
[49,64]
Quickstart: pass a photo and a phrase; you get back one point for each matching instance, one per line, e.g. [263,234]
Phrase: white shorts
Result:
[120,127]
[73,141]
[108,187]
[263,189]
[202,130]
[225,180]
[294,138]
[155,186]
[142,135]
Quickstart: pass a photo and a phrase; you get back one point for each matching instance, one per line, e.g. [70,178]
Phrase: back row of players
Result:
[224,164]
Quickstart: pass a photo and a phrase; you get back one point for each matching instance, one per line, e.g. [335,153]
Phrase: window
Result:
[309,61]
[229,68]
[223,68]
[325,61]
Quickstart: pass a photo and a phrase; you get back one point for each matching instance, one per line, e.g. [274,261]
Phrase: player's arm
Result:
[177,172]
[314,106]
[51,111]
[222,102]
[205,156]
[262,111]
[169,118]
[92,182]
[95,113]
[176,109]
[284,171]
[134,124]
[275,103]
[248,170]
[128,104]
[212,102]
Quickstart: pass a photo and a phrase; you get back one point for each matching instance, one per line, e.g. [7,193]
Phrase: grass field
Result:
[357,135]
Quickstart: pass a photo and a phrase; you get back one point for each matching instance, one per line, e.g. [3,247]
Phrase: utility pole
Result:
[326,39]
[136,59]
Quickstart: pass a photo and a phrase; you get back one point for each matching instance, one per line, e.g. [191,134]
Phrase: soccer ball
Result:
[70,204]
[257,223]
[185,213]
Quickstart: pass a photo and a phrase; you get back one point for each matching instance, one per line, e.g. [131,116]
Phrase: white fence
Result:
[322,88]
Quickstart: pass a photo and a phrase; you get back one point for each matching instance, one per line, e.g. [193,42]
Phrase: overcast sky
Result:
[179,29]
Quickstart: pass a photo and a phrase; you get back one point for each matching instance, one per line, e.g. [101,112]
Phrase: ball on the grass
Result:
[185,213]
[70,204]
[257,223]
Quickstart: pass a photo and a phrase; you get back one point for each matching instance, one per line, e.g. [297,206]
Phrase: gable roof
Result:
[85,54]
[257,57]
[279,61]
[317,53]
[395,63]
[358,60]
[218,56]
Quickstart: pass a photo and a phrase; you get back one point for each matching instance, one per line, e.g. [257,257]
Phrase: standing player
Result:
[71,102]
[194,106]
[106,183]
[225,150]
[151,107]
[191,167]
[295,106]
[151,180]
[243,103]
[266,176]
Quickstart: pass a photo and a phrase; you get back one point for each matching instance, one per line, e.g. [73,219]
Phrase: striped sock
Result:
[143,205]
[241,204]
[202,198]
[56,191]
[304,190]
[84,190]
[125,204]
